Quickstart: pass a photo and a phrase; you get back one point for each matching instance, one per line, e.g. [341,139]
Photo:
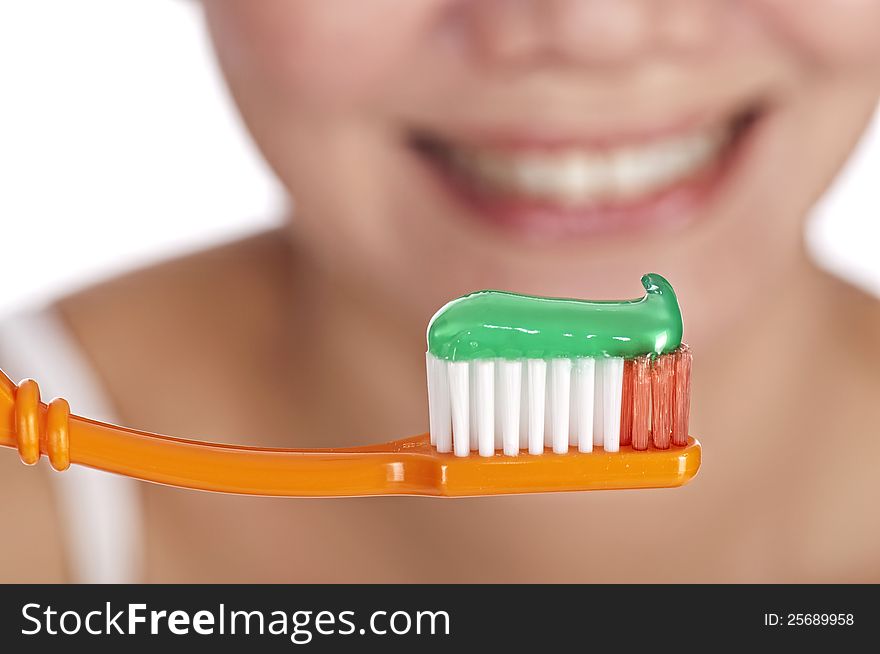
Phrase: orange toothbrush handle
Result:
[36,428]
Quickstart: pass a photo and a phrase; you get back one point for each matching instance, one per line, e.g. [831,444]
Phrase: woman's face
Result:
[434,147]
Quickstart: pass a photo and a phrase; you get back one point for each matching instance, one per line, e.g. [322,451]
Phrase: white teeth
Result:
[582,176]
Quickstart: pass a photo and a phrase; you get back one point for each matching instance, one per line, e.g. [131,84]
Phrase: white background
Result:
[119,145]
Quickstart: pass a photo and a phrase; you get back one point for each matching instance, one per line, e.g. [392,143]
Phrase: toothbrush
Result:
[525,395]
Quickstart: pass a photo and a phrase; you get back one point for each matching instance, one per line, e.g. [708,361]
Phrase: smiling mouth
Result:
[564,188]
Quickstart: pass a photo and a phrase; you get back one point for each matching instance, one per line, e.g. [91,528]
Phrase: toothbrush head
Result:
[537,376]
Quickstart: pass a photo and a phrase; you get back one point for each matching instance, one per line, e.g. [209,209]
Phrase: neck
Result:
[781,351]
[358,365]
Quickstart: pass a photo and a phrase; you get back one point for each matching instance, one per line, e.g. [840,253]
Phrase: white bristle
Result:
[548,413]
[438,404]
[474,402]
[490,405]
[572,408]
[430,368]
[537,395]
[459,395]
[484,374]
[586,381]
[499,404]
[560,403]
[510,386]
[613,388]
[524,408]
[598,403]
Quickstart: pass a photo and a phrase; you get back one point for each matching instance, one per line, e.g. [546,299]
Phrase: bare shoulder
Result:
[854,326]
[838,537]
[844,360]
[180,326]
[32,551]
[208,279]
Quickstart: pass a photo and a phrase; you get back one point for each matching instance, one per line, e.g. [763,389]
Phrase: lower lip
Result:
[675,206]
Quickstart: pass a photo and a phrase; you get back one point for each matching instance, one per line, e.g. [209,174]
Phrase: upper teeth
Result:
[577,175]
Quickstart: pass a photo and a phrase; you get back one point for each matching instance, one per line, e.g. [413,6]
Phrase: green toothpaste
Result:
[497,324]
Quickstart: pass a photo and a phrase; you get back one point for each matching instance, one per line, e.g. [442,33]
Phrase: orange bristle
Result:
[682,401]
[662,394]
[641,402]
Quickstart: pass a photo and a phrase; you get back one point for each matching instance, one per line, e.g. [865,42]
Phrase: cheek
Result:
[319,52]
[834,32]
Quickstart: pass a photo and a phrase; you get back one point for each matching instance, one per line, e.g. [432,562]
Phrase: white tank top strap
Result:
[101,513]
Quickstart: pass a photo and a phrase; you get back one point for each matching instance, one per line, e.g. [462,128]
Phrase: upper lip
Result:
[538,135]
